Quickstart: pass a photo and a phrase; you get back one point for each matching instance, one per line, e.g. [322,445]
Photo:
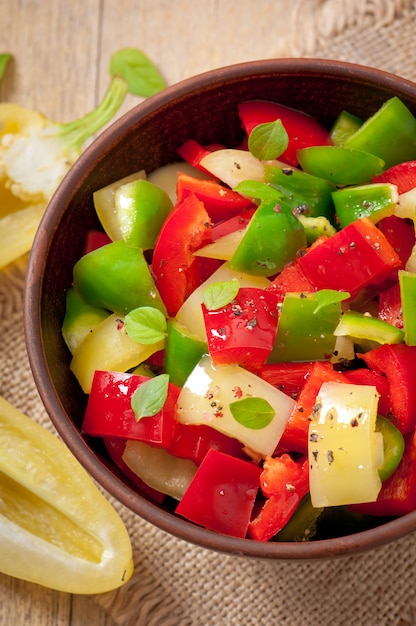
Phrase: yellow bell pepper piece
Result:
[345,451]
[56,528]
[108,347]
[35,155]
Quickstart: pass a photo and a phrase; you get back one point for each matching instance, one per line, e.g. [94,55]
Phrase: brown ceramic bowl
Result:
[204,108]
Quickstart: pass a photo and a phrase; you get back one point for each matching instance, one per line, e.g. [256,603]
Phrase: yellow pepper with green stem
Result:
[36,153]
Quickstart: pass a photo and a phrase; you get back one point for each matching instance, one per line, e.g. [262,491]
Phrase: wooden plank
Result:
[26,604]
[54,44]
[86,611]
[54,70]
[185,37]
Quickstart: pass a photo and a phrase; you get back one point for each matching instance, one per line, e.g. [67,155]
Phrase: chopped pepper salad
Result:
[244,325]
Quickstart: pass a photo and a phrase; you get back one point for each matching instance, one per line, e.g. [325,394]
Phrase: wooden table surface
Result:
[61,53]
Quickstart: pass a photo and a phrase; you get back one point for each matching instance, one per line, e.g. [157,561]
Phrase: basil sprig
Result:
[140,73]
[146,325]
[258,190]
[254,413]
[268,141]
[150,397]
[219,294]
[325,297]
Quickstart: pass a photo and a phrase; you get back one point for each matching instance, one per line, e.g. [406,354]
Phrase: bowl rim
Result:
[32,308]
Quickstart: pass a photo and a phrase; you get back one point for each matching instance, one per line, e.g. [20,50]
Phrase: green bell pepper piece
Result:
[375,201]
[272,239]
[183,350]
[344,126]
[303,523]
[362,326]
[144,369]
[344,520]
[304,194]
[315,227]
[393,446]
[80,319]
[141,207]
[116,277]
[389,134]
[407,282]
[305,330]
[340,165]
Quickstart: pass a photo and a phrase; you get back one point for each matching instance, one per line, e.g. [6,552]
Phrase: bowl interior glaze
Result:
[203,108]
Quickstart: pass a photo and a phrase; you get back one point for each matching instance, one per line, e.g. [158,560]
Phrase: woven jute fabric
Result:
[178,584]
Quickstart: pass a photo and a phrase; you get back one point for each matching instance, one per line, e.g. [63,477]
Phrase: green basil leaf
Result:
[220,294]
[5,57]
[254,413]
[141,75]
[258,190]
[324,297]
[150,397]
[268,141]
[145,325]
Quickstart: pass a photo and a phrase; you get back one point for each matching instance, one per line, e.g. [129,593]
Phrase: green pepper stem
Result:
[75,133]
[5,58]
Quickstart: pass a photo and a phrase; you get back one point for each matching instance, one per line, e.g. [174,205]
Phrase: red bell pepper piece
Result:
[242,332]
[109,412]
[94,240]
[355,257]
[295,435]
[230,225]
[176,270]
[390,306]
[221,494]
[220,201]
[284,482]
[192,152]
[400,233]
[397,362]
[303,130]
[403,175]
[205,268]
[291,279]
[365,376]
[192,442]
[287,377]
[156,359]
[115,448]
[398,493]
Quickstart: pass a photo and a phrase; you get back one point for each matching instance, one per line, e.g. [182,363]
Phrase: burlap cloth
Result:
[179,584]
